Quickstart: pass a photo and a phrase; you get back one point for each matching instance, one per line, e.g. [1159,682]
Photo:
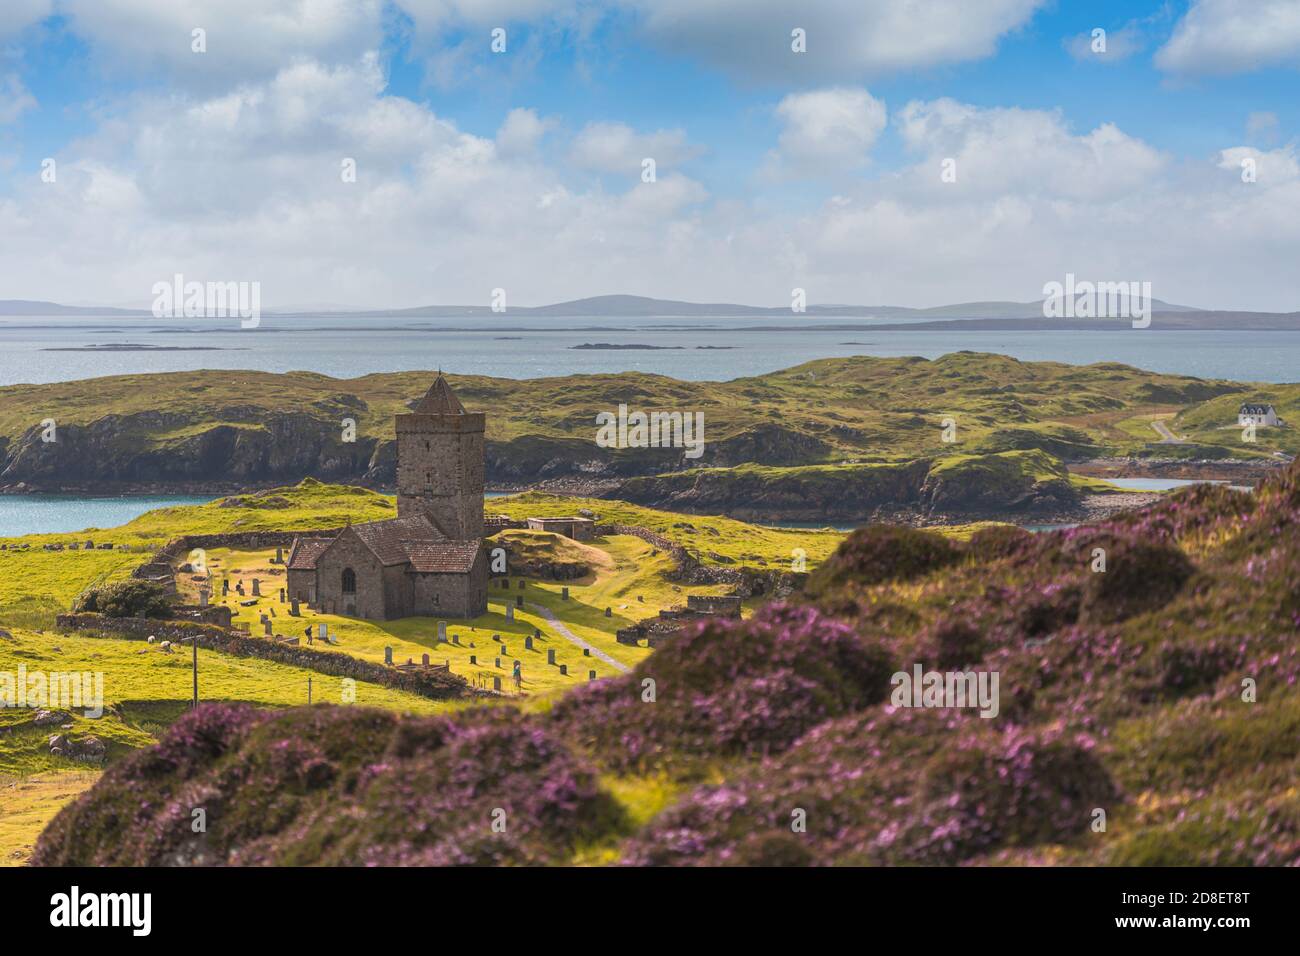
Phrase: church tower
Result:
[440,463]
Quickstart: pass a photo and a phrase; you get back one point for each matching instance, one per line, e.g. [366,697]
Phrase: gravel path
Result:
[570,636]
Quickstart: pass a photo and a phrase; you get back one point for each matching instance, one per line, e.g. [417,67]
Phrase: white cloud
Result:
[844,37]
[246,185]
[521,131]
[432,15]
[17,15]
[1233,36]
[247,40]
[15,99]
[618,148]
[1270,167]
[1024,152]
[828,129]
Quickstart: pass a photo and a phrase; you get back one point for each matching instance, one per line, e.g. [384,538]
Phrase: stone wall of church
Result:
[301,585]
[369,599]
[451,595]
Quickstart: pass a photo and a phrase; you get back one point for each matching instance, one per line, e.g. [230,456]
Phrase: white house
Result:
[1255,414]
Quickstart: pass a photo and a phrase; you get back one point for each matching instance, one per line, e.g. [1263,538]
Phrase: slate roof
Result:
[413,540]
[388,540]
[1251,408]
[443,557]
[439,400]
[305,551]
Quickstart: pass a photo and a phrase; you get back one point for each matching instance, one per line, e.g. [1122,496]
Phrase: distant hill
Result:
[613,306]
[27,307]
[172,430]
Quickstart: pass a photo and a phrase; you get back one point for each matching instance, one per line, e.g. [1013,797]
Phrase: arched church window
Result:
[349,581]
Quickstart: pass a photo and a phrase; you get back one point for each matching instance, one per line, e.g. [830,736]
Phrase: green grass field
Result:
[146,689]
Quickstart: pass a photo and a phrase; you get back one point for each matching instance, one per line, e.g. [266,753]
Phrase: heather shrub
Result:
[1185,668]
[1140,576]
[879,553]
[133,598]
[726,688]
[1015,787]
[953,643]
[998,543]
[338,785]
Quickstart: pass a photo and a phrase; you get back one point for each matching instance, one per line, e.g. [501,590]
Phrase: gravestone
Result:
[537,633]
[273,614]
[528,643]
[609,612]
[424,659]
[204,594]
[257,588]
[473,658]
[321,631]
[267,626]
[498,662]
[586,652]
[293,607]
[442,630]
[455,639]
[591,675]
[225,587]
[564,594]
[388,654]
[564,670]
[496,682]
[279,555]
[90,545]
[281,595]
[521,584]
[504,649]
[550,655]
[519,601]
[510,613]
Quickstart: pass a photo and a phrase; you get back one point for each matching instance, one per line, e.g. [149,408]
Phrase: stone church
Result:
[430,559]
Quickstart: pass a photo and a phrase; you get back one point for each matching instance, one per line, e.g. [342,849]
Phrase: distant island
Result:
[629,347]
[136,347]
[985,316]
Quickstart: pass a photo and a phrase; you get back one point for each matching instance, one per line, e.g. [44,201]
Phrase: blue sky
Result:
[776,168]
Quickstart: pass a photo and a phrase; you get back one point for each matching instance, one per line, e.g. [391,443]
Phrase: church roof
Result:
[439,400]
[305,551]
[390,539]
[443,557]
[412,540]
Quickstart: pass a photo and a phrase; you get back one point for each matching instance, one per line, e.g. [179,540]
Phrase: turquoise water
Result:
[54,514]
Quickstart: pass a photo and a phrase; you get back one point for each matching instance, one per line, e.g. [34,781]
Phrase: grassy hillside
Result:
[250,426]
[1159,690]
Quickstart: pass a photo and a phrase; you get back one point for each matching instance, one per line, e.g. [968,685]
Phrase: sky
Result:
[872,152]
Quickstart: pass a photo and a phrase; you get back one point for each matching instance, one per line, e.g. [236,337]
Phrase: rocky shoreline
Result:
[1237,470]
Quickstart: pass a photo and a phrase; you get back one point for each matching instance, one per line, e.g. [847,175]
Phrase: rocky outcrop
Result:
[1013,482]
[796,494]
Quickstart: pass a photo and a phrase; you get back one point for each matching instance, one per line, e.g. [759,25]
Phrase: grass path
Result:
[564,632]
